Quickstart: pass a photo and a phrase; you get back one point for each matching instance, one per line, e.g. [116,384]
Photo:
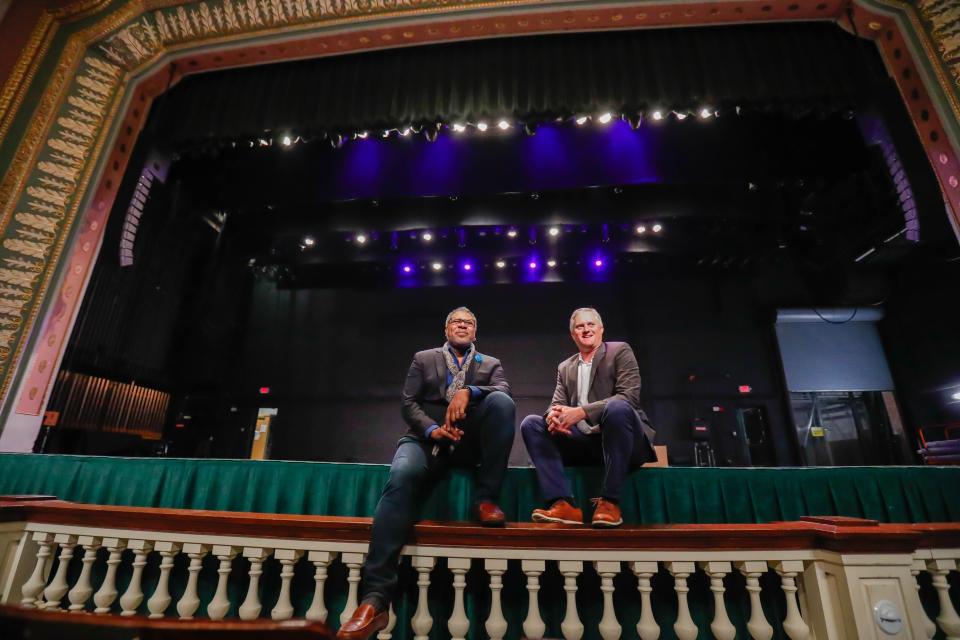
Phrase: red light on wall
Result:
[264,390]
[744,388]
[179,425]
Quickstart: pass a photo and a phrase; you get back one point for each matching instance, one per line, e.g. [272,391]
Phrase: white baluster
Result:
[220,604]
[609,626]
[458,624]
[948,620]
[533,626]
[32,589]
[387,631]
[318,608]
[721,626]
[354,562]
[929,628]
[757,625]
[107,593]
[793,623]
[571,627]
[58,587]
[160,600]
[190,600]
[287,558]
[496,624]
[684,627]
[82,590]
[250,609]
[647,627]
[422,622]
[133,596]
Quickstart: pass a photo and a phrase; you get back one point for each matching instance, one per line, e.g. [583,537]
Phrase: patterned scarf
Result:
[459,373]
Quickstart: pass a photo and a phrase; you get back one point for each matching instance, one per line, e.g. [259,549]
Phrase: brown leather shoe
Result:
[562,512]
[605,514]
[363,624]
[489,514]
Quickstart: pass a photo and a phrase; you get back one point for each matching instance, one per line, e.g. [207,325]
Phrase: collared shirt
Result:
[583,391]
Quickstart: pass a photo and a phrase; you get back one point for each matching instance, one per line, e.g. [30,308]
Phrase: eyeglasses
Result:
[467,322]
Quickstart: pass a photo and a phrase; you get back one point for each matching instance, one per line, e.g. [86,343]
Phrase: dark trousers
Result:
[486,442]
[620,446]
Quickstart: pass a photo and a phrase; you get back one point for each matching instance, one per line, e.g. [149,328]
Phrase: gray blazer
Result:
[424,390]
[613,376]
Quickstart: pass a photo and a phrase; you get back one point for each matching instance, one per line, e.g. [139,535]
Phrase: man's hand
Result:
[446,432]
[561,419]
[457,409]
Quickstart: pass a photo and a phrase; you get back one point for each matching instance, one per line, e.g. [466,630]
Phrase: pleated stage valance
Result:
[653,495]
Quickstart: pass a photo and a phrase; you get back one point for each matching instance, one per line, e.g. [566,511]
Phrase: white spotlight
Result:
[605,118]
[287,141]
[405,132]
[361,238]
[386,133]
[658,115]
[363,135]
[459,128]
[309,242]
[705,113]
[956,396]
[436,266]
[501,264]
[657,228]
[511,233]
[503,125]
[554,231]
[551,263]
[581,120]
[641,229]
[427,236]
[482,126]
[680,115]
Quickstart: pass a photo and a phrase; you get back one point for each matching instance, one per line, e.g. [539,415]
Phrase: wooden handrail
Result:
[834,533]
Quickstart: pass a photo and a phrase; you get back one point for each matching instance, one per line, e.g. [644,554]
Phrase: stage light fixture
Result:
[598,263]
[459,128]
[530,128]
[705,113]
[532,265]
[426,236]
[361,238]
[511,233]
[287,141]
[554,231]
[406,131]
[436,266]
[657,228]
[680,115]
[386,133]
[605,118]
[467,266]
[336,141]
[641,229]
[363,135]
[482,126]
[956,396]
[581,120]
[308,241]
[501,264]
[503,125]
[406,268]
[551,263]
[634,120]
[658,115]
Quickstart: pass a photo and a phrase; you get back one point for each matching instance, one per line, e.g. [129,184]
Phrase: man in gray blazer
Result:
[594,418]
[458,410]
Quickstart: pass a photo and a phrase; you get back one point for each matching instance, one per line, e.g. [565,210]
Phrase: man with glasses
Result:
[594,418]
[458,409]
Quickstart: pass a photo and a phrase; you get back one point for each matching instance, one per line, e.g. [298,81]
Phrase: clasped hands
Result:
[456,411]
[561,418]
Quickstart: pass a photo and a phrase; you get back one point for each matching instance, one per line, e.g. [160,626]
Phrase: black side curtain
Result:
[772,66]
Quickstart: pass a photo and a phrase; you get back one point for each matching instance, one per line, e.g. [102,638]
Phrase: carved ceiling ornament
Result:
[47,178]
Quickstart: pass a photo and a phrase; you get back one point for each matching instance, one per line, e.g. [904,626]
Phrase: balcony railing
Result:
[820,578]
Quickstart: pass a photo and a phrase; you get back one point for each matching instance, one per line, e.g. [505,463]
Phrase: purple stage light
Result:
[532,265]
[406,268]
[467,267]
[598,263]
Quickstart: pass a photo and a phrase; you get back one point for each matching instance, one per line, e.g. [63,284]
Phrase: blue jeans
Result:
[620,446]
[486,442]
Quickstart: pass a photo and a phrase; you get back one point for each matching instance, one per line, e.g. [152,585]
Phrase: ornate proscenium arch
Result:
[77,98]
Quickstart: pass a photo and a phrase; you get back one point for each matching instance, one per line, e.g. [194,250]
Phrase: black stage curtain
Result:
[780,66]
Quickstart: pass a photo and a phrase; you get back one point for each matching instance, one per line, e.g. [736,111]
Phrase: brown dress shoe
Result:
[605,514]
[489,514]
[363,624]
[562,512]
